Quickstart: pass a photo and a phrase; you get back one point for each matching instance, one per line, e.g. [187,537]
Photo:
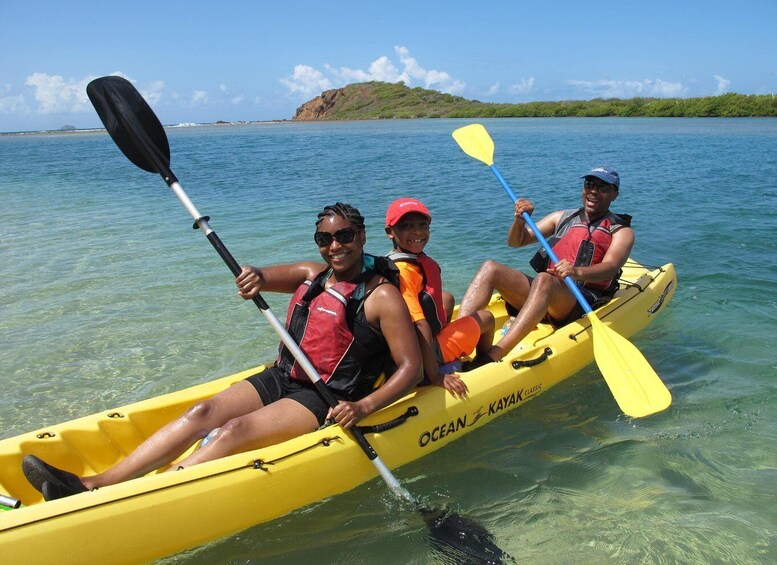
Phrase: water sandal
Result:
[57,482]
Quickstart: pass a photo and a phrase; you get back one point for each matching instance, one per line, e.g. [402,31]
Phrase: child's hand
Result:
[453,384]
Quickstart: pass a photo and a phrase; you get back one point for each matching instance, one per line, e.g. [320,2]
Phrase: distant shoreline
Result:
[49,132]
[383,100]
[377,100]
[57,132]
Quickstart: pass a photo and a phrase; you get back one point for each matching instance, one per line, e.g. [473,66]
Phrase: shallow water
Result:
[110,297]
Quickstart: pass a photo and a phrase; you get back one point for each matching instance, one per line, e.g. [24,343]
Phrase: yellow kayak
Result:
[162,513]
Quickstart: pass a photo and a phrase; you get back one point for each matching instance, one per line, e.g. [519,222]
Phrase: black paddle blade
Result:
[132,124]
[461,540]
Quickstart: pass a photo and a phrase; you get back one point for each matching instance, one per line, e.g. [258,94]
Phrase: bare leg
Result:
[177,436]
[272,424]
[511,284]
[547,294]
[486,322]
[449,303]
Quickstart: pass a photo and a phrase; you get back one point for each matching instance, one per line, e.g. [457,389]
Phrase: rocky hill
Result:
[368,100]
[383,100]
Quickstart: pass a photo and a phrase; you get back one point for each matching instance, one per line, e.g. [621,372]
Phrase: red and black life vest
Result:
[430,296]
[330,327]
[585,243]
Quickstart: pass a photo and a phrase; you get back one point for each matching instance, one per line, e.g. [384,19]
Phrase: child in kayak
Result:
[442,343]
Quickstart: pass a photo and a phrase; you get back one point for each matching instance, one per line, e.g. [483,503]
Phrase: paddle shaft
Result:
[139,134]
[541,239]
[9,501]
[162,167]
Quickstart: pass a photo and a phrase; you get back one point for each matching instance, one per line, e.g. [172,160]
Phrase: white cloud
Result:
[12,103]
[381,69]
[237,100]
[723,84]
[308,81]
[439,80]
[345,74]
[223,88]
[54,94]
[629,88]
[152,92]
[199,97]
[493,89]
[523,86]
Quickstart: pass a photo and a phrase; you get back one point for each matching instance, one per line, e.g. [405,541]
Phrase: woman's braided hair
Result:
[344,211]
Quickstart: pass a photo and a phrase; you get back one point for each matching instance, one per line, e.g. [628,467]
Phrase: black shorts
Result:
[272,384]
[593,297]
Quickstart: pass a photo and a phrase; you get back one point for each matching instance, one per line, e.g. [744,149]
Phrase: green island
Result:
[383,100]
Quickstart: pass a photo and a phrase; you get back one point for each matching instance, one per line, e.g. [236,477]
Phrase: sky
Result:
[203,61]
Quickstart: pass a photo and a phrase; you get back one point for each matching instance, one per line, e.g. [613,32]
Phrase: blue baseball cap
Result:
[605,173]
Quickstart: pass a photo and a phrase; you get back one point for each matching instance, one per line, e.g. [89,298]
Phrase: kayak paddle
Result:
[637,388]
[137,131]
[7,502]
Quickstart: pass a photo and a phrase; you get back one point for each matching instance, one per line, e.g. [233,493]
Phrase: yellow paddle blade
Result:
[475,142]
[637,388]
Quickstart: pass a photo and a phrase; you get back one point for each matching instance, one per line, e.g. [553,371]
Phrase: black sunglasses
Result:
[324,239]
[600,186]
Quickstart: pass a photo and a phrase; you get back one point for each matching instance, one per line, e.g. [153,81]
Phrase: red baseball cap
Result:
[403,206]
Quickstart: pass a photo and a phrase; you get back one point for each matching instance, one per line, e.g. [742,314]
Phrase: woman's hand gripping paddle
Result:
[636,387]
[137,131]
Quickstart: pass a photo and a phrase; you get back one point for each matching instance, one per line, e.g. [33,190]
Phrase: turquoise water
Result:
[109,297]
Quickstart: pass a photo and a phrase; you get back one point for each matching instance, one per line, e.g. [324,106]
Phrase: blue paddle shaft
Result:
[541,238]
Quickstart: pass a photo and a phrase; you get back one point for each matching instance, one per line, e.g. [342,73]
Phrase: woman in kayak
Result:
[349,318]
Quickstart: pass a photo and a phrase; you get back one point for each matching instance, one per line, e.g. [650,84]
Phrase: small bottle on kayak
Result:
[507,325]
[208,437]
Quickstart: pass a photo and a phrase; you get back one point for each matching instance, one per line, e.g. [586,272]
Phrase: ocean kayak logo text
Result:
[456,424]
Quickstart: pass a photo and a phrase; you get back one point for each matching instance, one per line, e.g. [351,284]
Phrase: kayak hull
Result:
[166,512]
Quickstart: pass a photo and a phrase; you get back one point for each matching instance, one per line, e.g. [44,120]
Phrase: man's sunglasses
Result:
[324,239]
[600,186]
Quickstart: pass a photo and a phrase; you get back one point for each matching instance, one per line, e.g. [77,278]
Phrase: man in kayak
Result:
[348,317]
[420,282]
[592,245]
